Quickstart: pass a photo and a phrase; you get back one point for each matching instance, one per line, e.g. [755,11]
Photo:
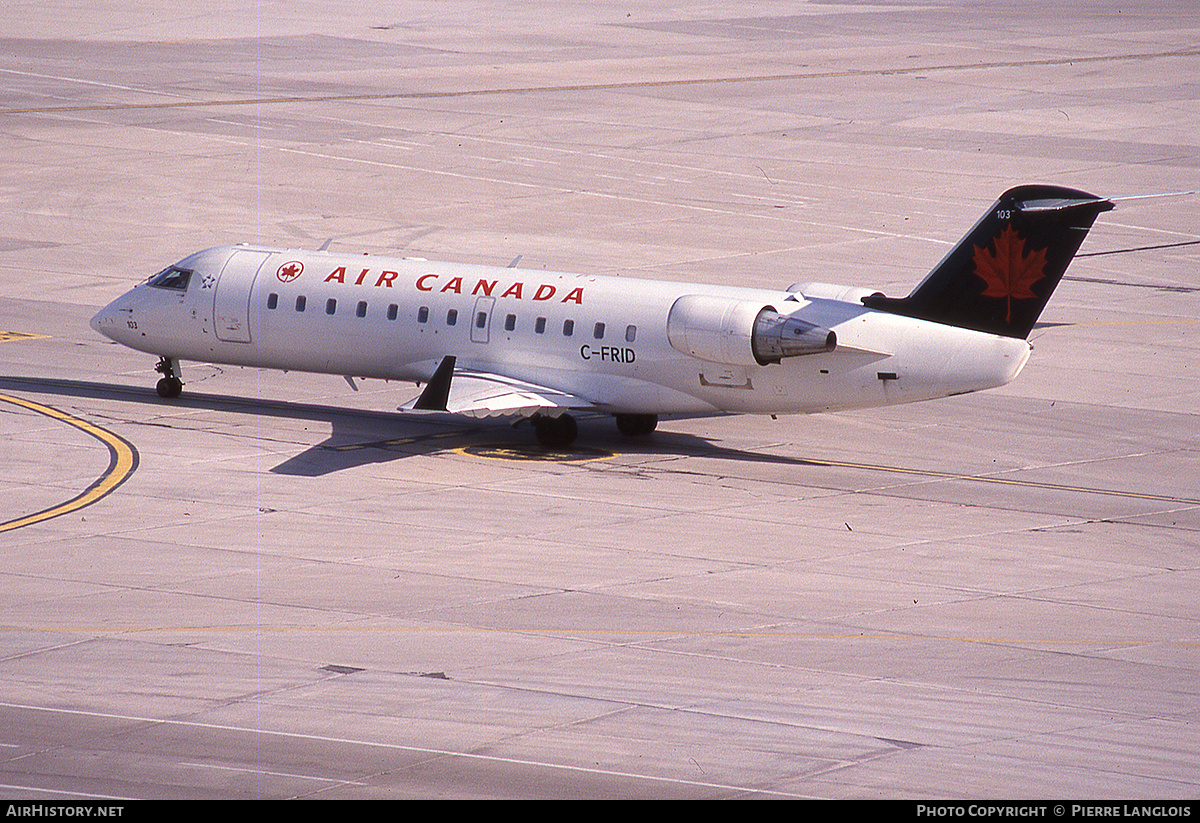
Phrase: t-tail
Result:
[999,277]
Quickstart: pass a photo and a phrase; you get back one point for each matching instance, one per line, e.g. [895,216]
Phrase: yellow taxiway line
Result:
[123,460]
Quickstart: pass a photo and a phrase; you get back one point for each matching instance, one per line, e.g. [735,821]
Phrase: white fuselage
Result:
[603,339]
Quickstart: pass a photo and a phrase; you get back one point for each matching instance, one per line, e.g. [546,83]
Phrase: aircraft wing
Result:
[485,394]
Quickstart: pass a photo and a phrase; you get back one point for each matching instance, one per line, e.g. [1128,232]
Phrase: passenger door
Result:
[231,301]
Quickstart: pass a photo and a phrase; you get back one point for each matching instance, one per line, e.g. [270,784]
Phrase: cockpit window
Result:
[173,278]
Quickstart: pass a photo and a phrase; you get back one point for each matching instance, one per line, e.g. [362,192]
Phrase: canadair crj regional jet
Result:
[490,341]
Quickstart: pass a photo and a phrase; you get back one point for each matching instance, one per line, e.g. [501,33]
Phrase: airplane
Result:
[502,341]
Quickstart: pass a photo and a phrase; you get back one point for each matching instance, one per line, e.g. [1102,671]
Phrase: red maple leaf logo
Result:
[1010,270]
[290,271]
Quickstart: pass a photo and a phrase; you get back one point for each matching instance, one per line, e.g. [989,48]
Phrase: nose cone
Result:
[116,320]
[105,321]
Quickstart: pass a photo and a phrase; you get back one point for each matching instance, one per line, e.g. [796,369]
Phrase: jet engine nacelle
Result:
[741,332]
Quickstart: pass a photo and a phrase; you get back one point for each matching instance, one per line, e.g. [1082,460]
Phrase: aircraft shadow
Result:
[362,437]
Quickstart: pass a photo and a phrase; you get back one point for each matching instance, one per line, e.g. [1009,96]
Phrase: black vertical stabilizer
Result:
[999,277]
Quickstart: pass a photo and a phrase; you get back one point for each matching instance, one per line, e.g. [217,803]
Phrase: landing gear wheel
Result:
[169,387]
[636,425]
[556,432]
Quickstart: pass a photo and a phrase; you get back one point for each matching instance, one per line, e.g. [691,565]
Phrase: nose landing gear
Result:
[170,385]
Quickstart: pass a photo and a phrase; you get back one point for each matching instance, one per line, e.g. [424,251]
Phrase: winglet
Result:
[437,390]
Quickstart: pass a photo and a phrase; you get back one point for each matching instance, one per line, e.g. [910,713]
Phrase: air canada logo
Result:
[290,271]
[1009,269]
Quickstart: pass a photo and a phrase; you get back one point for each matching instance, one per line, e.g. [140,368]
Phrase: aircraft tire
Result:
[169,387]
[556,432]
[636,425]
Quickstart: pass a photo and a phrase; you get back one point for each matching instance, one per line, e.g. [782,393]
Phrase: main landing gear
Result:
[170,385]
[636,425]
[560,432]
[555,432]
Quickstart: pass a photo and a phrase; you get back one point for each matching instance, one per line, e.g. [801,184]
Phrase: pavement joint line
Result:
[614,86]
[427,750]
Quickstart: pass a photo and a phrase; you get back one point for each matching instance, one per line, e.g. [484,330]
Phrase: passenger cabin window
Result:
[630,334]
[451,317]
[510,322]
[598,331]
[568,328]
[393,311]
[361,311]
[301,302]
[331,306]
[540,325]
[172,278]
[423,314]
[272,301]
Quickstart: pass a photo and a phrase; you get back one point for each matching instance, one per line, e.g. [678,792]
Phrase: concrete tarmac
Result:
[276,587]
